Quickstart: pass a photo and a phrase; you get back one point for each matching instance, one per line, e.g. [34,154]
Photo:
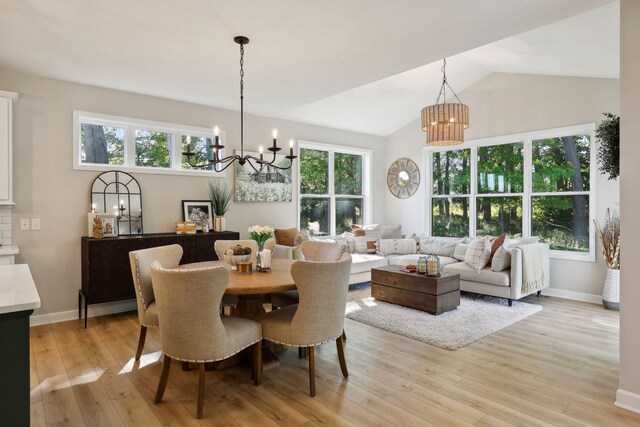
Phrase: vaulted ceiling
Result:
[363,65]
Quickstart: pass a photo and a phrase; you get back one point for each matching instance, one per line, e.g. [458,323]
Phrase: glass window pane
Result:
[561,164]
[102,144]
[152,149]
[347,174]
[450,216]
[200,146]
[451,172]
[500,168]
[348,212]
[314,214]
[497,215]
[314,171]
[562,221]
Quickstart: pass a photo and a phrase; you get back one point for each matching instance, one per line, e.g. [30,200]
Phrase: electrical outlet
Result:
[35,223]
[24,224]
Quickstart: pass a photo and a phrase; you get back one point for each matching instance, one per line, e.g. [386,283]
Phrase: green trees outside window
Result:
[556,200]
[201,147]
[102,144]
[152,149]
[331,189]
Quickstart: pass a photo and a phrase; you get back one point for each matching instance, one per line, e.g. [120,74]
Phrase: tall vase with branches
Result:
[609,234]
[220,196]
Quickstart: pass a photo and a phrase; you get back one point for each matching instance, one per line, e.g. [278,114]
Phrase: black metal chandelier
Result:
[219,164]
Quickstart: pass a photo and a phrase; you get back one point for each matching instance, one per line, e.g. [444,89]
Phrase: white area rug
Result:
[475,318]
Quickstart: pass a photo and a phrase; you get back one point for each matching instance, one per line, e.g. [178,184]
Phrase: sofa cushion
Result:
[395,247]
[479,253]
[497,243]
[460,251]
[501,260]
[391,231]
[366,240]
[362,263]
[442,246]
[413,259]
[286,236]
[468,273]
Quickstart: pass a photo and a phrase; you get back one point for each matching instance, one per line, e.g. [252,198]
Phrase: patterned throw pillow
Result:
[366,240]
[479,253]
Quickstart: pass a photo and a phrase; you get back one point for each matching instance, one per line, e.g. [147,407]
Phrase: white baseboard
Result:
[94,310]
[576,296]
[627,400]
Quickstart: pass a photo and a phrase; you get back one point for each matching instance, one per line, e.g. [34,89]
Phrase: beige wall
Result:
[46,186]
[629,393]
[503,104]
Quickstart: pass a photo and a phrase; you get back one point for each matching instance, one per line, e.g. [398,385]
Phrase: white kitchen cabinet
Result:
[6,142]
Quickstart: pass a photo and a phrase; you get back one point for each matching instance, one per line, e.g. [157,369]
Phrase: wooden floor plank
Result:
[557,367]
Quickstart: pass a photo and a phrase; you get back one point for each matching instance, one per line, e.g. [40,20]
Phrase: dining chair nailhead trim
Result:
[138,281]
[301,345]
[211,360]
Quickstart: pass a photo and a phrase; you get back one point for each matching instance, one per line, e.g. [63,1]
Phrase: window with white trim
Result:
[532,184]
[103,142]
[334,188]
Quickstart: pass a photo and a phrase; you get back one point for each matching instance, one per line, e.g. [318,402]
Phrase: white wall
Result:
[503,104]
[46,186]
[628,395]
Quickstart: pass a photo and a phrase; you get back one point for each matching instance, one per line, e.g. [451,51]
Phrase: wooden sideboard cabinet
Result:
[106,272]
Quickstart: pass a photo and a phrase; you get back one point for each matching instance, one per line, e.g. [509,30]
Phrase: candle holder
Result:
[433,265]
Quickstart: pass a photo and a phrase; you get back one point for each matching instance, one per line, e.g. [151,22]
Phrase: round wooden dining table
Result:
[251,288]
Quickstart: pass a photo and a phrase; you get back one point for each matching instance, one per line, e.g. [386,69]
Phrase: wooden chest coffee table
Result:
[434,295]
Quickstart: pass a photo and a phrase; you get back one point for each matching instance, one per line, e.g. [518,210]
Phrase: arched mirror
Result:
[119,193]
[403,178]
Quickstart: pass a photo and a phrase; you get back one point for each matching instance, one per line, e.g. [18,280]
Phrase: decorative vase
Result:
[611,291]
[219,223]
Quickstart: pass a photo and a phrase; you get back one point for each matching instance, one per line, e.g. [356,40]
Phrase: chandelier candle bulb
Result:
[291,147]
[261,149]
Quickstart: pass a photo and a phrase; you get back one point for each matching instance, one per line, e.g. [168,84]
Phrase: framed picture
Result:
[198,211]
[109,224]
[267,184]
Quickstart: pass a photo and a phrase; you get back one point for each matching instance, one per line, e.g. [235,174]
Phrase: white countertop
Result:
[9,250]
[17,290]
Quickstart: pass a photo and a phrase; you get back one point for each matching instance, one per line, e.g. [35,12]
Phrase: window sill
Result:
[573,256]
[149,170]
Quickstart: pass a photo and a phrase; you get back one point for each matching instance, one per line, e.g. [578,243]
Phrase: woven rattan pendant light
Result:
[445,122]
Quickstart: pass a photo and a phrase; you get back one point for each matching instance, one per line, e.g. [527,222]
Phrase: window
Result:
[535,184]
[107,142]
[334,187]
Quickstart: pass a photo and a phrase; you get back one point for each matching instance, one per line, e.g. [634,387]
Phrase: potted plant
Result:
[608,134]
[220,196]
[609,235]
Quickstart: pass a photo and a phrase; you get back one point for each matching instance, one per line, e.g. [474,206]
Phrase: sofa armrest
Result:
[516,270]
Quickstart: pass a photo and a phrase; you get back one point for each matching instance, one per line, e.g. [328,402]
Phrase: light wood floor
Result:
[557,367]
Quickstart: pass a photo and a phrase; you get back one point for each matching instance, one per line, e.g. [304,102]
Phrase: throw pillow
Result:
[391,231]
[497,243]
[460,251]
[366,240]
[302,236]
[442,246]
[479,253]
[501,260]
[396,247]
[286,236]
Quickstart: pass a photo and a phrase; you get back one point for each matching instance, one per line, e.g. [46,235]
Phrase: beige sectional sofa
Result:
[502,284]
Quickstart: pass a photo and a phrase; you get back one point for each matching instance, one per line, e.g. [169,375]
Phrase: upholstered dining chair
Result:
[140,262]
[311,251]
[319,317]
[193,330]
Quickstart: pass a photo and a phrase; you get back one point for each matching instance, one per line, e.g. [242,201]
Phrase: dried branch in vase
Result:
[609,235]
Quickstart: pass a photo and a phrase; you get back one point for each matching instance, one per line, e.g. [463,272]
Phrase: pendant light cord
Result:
[443,89]
[242,99]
